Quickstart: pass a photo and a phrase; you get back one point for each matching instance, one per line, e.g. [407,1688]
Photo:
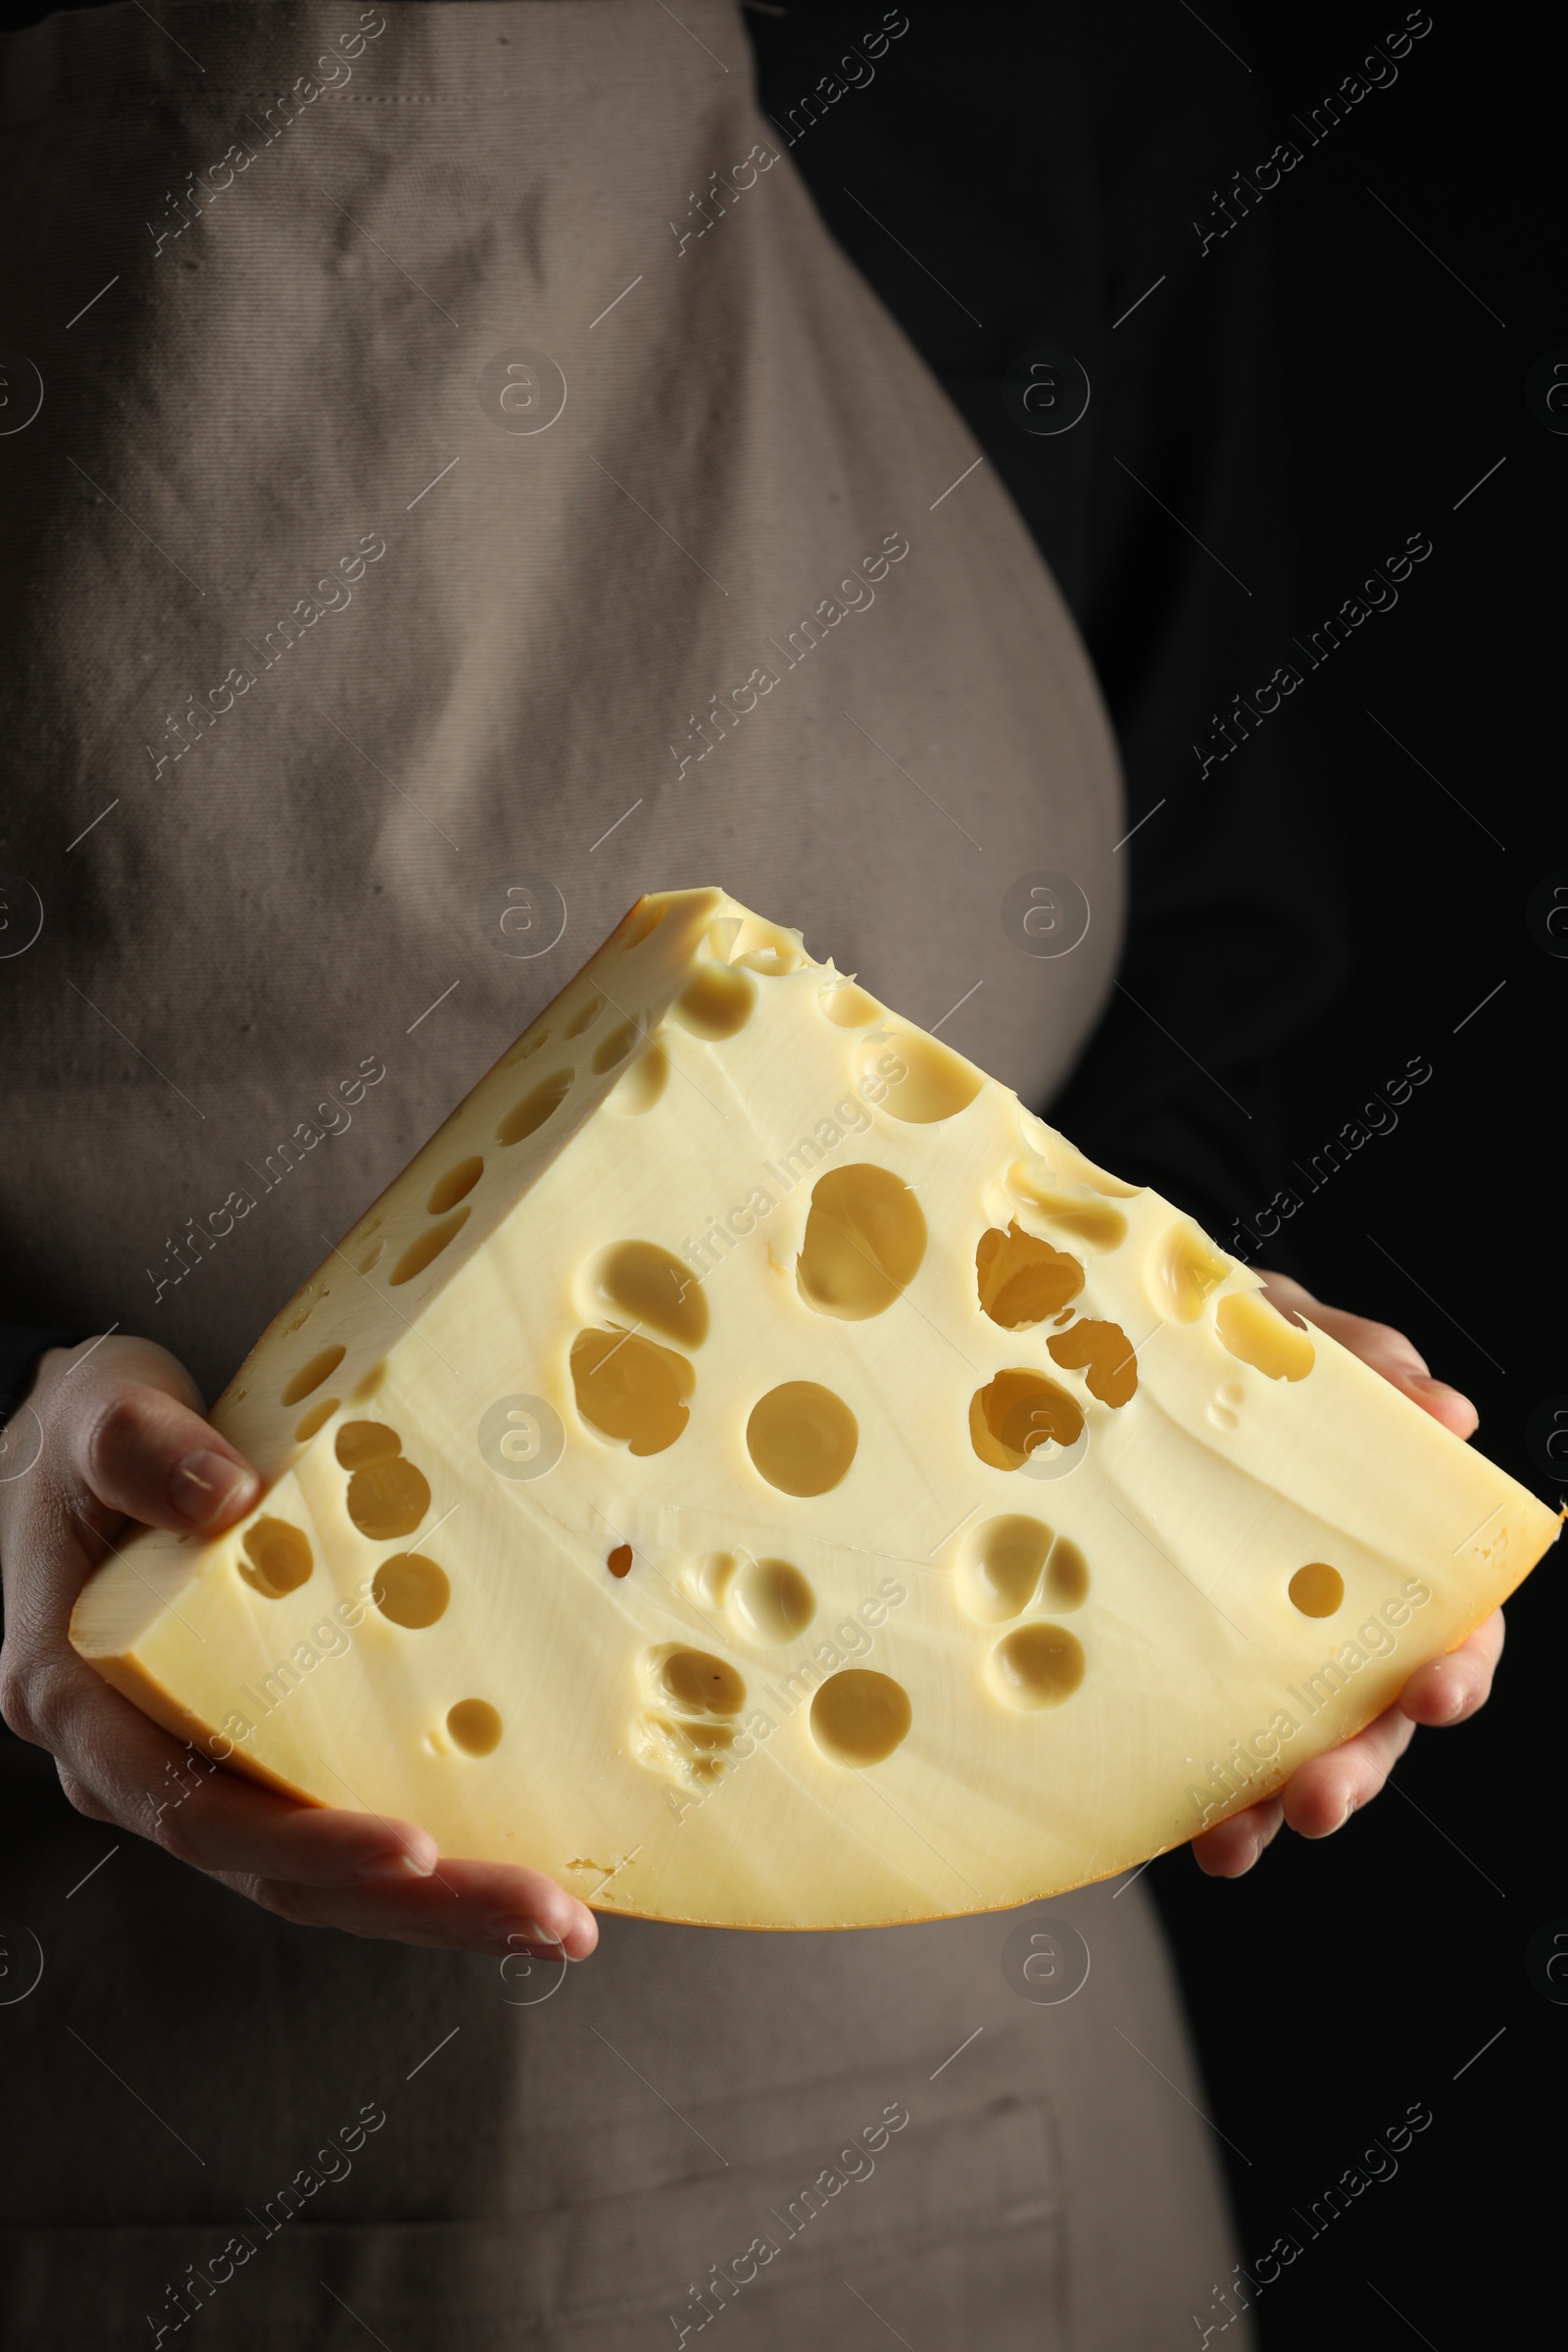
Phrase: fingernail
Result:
[511,1930]
[382,1869]
[202,1487]
[1438,1388]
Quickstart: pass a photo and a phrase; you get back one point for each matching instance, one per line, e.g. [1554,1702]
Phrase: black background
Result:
[1340,1982]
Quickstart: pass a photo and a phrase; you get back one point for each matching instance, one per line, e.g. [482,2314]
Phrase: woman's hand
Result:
[122,1437]
[1320,1796]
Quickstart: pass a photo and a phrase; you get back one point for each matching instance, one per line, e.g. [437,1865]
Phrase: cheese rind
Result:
[748,1449]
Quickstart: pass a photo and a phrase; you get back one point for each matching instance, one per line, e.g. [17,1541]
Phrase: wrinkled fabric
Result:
[348,654]
[468,482]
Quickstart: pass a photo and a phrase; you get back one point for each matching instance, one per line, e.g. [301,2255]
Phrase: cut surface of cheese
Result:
[751,1468]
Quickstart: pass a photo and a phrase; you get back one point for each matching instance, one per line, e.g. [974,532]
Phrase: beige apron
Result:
[470,488]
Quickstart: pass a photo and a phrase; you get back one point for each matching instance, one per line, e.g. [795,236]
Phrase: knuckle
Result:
[36,1703]
[120,1427]
[78,1795]
[16,1701]
[284,1901]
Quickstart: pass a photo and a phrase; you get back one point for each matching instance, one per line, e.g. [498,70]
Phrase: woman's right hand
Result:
[123,1438]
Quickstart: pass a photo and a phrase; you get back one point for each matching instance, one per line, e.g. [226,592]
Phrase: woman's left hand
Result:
[1320,1796]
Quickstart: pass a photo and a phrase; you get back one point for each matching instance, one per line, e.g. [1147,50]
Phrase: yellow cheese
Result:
[751,1468]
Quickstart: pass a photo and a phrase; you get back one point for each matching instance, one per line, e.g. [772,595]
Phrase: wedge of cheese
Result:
[751,1468]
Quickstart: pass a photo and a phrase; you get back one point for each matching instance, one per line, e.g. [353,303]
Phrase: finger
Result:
[130,1772]
[1290,1297]
[1321,1795]
[1449,1689]
[211,1819]
[1386,1350]
[1446,1404]
[1230,1848]
[316,1865]
[489,1907]
[143,1452]
[116,1765]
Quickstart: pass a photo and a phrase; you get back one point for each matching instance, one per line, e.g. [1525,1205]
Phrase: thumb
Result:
[139,1447]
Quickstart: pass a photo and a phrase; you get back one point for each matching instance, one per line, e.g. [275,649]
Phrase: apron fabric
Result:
[471,488]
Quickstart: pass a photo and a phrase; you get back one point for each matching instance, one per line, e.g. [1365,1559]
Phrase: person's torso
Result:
[339,621]
[500,491]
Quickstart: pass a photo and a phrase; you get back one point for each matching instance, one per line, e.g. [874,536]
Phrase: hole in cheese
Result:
[1317,1590]
[311,1373]
[1068,1576]
[1185,1269]
[1256,1334]
[474,1727]
[1037,1666]
[388,1499]
[638,927]
[935,1084]
[428,1247]
[1017,1411]
[772,961]
[317,1418]
[650,1285]
[585,1015]
[860,1717]
[615,1047]
[694,1682]
[638,1088]
[1071,1167]
[372,1257]
[716,1002]
[761,946]
[848,1007]
[770,1602]
[526,1117]
[629,1389]
[454,1186]
[690,1752]
[801,1438]
[1022,1280]
[709,1578]
[278,1558]
[526,1048]
[1000,1572]
[358,1443]
[1104,1354]
[1077,1209]
[411,1589]
[864,1240]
